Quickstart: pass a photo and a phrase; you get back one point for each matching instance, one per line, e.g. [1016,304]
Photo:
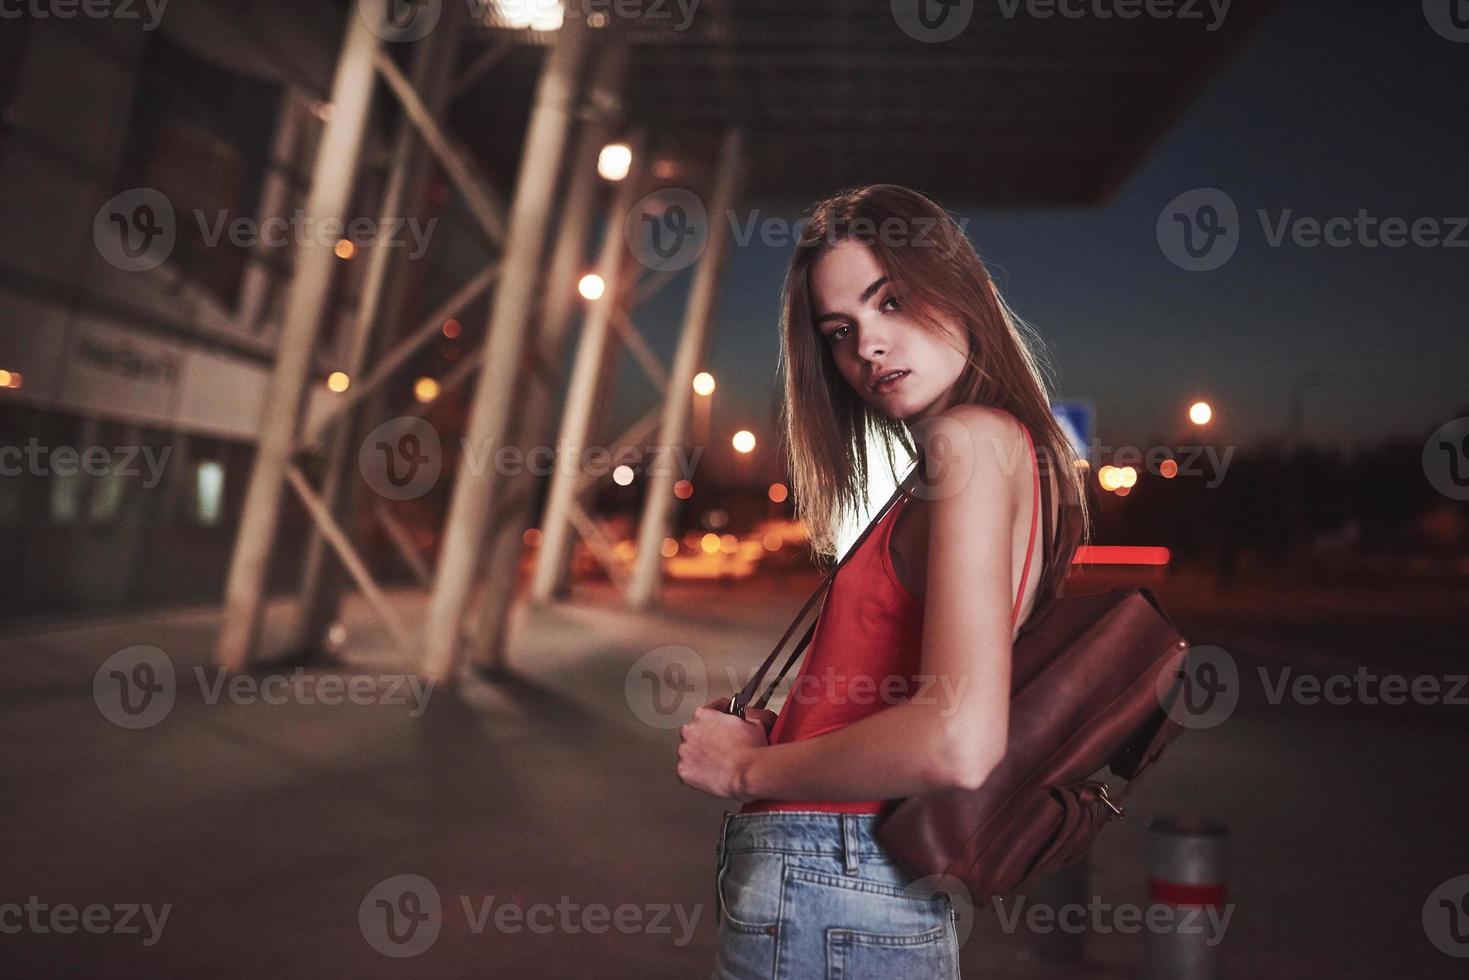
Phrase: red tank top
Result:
[865,653]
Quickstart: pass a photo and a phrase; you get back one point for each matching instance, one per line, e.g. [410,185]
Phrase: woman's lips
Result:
[884,387]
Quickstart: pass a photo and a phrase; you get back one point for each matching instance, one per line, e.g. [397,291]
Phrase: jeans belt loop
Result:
[849,843]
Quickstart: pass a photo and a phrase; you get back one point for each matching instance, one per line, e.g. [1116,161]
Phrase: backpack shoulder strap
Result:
[738,702]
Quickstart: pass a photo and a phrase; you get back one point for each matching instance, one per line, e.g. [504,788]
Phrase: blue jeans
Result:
[803,895]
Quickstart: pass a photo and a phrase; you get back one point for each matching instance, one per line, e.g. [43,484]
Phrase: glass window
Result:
[201,135]
[208,492]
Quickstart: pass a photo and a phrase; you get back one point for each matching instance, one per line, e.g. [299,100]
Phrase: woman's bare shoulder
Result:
[968,444]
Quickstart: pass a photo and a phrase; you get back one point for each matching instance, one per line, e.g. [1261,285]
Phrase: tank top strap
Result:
[1035,508]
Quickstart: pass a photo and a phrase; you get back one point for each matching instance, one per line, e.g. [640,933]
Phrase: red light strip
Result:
[1120,554]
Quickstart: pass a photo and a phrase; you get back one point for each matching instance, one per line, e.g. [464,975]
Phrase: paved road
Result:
[269,830]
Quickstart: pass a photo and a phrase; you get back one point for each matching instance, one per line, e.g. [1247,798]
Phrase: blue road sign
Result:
[1078,419]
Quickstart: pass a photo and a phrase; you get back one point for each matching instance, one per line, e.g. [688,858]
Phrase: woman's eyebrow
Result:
[866,295]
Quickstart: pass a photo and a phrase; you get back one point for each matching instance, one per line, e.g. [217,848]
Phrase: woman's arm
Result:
[956,735]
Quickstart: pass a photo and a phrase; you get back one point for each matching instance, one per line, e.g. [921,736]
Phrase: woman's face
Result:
[870,335]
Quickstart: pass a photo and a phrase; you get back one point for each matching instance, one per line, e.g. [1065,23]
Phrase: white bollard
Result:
[1186,877]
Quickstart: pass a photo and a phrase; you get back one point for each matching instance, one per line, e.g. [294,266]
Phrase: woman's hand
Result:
[715,748]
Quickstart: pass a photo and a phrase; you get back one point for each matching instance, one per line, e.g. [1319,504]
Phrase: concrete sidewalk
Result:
[267,828]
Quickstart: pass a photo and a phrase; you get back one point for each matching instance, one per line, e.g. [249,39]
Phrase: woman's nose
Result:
[874,344]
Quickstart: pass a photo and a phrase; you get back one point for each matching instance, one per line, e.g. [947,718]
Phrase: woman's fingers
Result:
[765,716]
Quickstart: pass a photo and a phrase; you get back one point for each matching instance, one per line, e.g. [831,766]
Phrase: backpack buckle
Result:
[1102,795]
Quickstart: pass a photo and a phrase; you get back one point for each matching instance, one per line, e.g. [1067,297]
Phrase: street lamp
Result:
[591,286]
[614,162]
[703,403]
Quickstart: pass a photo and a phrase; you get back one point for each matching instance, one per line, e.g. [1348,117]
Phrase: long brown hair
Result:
[935,270]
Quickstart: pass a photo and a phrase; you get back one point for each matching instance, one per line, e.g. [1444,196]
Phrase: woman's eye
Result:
[836,335]
[891,299]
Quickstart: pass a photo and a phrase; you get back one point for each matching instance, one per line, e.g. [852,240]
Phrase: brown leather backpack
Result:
[1086,678]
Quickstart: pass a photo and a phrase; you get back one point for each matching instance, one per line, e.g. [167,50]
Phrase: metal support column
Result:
[489,412]
[433,63]
[692,344]
[586,384]
[597,434]
[275,199]
[538,419]
[331,188]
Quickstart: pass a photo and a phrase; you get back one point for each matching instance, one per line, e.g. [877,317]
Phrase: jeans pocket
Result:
[876,928]
[747,890]
[747,896]
[853,954]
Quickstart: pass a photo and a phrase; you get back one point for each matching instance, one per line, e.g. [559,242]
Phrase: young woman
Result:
[893,335]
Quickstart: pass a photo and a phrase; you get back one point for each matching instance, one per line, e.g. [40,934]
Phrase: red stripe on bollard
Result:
[1178,893]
